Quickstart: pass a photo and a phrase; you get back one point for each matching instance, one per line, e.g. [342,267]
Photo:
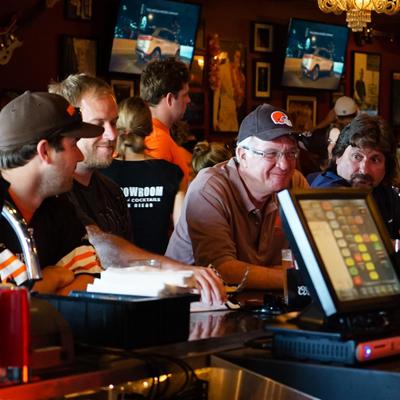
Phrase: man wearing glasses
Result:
[230,217]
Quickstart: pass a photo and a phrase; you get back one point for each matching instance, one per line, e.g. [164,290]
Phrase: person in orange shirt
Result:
[165,86]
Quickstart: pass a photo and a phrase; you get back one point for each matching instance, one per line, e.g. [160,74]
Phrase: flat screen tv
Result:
[315,55]
[342,248]
[153,29]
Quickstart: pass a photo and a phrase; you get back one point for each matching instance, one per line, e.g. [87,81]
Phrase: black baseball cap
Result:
[40,115]
[266,122]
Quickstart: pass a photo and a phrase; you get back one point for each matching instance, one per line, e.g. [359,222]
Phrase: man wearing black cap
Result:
[230,216]
[38,156]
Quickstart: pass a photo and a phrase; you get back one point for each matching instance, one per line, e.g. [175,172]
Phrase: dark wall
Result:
[37,61]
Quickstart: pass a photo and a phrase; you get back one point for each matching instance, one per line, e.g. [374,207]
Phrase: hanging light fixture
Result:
[359,11]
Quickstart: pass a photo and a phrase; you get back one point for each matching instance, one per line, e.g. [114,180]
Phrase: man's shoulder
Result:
[101,179]
[221,175]
[328,179]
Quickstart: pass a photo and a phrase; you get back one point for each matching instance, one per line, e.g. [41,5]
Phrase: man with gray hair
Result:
[230,217]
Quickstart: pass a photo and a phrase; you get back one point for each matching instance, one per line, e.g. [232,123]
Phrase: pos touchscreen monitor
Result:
[342,248]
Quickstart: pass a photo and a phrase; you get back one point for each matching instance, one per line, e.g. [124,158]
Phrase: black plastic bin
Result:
[125,321]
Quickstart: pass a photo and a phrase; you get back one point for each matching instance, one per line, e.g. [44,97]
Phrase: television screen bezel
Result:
[344,60]
[117,14]
[309,258]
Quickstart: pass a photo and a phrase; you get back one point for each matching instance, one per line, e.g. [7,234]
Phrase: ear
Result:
[169,98]
[241,155]
[44,151]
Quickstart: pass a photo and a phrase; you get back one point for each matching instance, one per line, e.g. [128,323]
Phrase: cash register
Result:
[349,265]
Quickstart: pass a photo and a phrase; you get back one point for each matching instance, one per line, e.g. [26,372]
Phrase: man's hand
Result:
[54,279]
[210,287]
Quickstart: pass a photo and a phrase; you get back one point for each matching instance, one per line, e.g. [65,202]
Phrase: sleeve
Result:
[159,146]
[298,180]
[209,226]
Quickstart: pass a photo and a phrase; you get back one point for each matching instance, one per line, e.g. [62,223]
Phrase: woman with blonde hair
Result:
[206,154]
[151,186]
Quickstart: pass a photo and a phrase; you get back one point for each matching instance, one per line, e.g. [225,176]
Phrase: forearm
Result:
[259,277]
[53,279]
[115,251]
[79,283]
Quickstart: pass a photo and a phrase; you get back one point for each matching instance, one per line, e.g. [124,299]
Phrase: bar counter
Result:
[217,339]
[210,333]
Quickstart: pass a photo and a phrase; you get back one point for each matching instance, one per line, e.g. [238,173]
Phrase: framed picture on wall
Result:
[80,10]
[228,103]
[395,85]
[122,89]
[262,79]
[78,55]
[262,37]
[302,111]
[366,76]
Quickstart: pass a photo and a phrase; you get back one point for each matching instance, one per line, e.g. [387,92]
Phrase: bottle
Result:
[14,334]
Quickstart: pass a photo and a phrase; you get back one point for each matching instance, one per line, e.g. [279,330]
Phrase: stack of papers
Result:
[143,281]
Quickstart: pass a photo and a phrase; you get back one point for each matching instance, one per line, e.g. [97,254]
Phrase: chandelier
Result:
[359,11]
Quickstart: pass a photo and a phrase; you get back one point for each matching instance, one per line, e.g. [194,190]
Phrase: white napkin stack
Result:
[143,281]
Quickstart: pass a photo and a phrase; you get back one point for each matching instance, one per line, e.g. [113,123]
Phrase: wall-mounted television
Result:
[315,55]
[146,30]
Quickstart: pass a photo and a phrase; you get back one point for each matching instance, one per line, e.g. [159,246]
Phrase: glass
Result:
[287,263]
[274,155]
[151,262]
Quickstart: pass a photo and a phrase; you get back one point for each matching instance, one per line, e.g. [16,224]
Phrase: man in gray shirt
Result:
[230,217]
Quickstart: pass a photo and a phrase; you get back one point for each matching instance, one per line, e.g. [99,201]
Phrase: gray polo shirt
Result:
[219,222]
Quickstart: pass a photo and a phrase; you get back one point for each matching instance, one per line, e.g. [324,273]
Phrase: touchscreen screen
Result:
[351,248]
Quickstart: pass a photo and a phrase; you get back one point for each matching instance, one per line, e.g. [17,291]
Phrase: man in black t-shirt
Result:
[99,200]
[38,156]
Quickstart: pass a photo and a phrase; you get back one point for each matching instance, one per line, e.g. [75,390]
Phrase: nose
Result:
[364,166]
[79,155]
[110,132]
[282,162]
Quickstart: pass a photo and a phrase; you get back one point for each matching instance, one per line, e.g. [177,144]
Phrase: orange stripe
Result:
[79,257]
[19,271]
[90,265]
[7,262]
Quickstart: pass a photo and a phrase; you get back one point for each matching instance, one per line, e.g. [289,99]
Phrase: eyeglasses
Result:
[273,155]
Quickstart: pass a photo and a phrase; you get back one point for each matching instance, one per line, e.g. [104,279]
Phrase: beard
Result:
[362,181]
[97,156]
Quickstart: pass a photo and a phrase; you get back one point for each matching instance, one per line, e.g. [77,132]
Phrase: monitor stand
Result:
[361,325]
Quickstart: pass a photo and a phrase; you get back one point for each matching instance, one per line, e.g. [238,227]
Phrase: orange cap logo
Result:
[71,110]
[280,118]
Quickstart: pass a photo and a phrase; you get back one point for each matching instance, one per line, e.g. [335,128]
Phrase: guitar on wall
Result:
[8,39]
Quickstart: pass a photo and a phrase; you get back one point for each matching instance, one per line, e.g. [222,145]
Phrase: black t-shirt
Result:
[388,201]
[149,187]
[56,231]
[102,203]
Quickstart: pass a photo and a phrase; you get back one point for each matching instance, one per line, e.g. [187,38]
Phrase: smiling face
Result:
[266,175]
[102,111]
[59,176]
[361,167]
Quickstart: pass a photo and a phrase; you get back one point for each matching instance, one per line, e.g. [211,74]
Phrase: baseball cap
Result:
[345,106]
[40,115]
[266,122]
